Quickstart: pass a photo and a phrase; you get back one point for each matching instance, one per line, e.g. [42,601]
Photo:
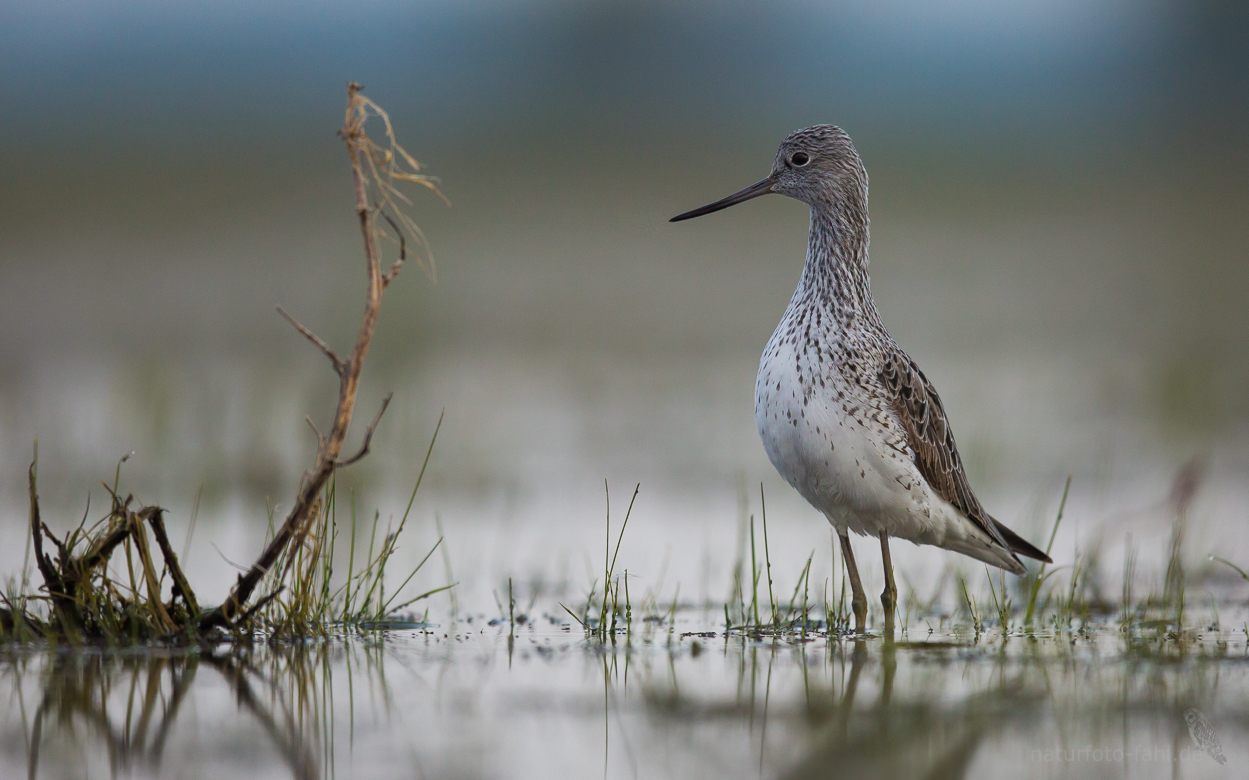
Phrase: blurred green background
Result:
[1060,225]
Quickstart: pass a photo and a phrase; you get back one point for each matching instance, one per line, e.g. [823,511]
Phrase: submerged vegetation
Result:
[291,589]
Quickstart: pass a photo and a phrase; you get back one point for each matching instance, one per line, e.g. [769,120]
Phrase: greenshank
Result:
[845,415]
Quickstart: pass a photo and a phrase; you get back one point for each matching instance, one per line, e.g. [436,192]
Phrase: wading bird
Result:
[845,415]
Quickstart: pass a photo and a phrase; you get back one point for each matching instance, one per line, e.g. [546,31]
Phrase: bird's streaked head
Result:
[817,165]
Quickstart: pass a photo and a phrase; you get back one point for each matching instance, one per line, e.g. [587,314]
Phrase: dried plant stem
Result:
[62,602]
[181,588]
[348,370]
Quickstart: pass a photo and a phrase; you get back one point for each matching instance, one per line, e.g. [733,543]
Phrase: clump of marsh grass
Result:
[300,597]
[615,610]
[608,610]
[304,597]
[780,618]
[1039,578]
[969,604]
[836,610]
[1174,580]
[757,609]
[81,599]
[1167,609]
[289,590]
[1128,615]
[1001,599]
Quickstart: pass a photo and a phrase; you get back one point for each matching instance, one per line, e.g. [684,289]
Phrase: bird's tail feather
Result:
[990,552]
[1020,545]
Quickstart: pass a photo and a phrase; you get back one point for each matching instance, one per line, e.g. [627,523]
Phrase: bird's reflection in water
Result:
[956,708]
[886,739]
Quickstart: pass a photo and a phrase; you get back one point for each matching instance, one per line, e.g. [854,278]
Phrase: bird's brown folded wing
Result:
[918,406]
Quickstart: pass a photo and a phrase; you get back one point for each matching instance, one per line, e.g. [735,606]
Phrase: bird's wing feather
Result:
[919,408]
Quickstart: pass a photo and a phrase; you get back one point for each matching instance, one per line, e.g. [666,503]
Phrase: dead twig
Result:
[370,163]
[315,431]
[181,588]
[339,365]
[368,434]
[259,605]
[103,547]
[64,605]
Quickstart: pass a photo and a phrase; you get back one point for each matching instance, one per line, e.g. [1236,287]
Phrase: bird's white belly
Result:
[839,454]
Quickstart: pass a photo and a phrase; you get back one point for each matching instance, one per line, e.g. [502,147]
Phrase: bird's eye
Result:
[800,159]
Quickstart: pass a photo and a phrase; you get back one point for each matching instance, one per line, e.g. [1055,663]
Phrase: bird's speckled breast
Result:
[826,429]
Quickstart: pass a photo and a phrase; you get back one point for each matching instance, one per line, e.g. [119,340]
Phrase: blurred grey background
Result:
[1060,230]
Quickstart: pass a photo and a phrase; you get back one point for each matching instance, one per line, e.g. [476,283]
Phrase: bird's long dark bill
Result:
[753,191]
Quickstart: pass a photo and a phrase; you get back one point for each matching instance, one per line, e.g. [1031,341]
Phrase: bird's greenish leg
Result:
[858,601]
[889,596]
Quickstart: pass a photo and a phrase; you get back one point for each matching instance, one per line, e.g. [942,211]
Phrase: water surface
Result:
[487,699]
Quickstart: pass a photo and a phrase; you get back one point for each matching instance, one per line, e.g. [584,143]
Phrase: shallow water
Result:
[475,699]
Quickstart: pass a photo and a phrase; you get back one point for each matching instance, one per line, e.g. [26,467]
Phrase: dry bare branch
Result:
[102,548]
[368,435]
[379,166]
[64,605]
[261,604]
[315,432]
[339,365]
[181,587]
